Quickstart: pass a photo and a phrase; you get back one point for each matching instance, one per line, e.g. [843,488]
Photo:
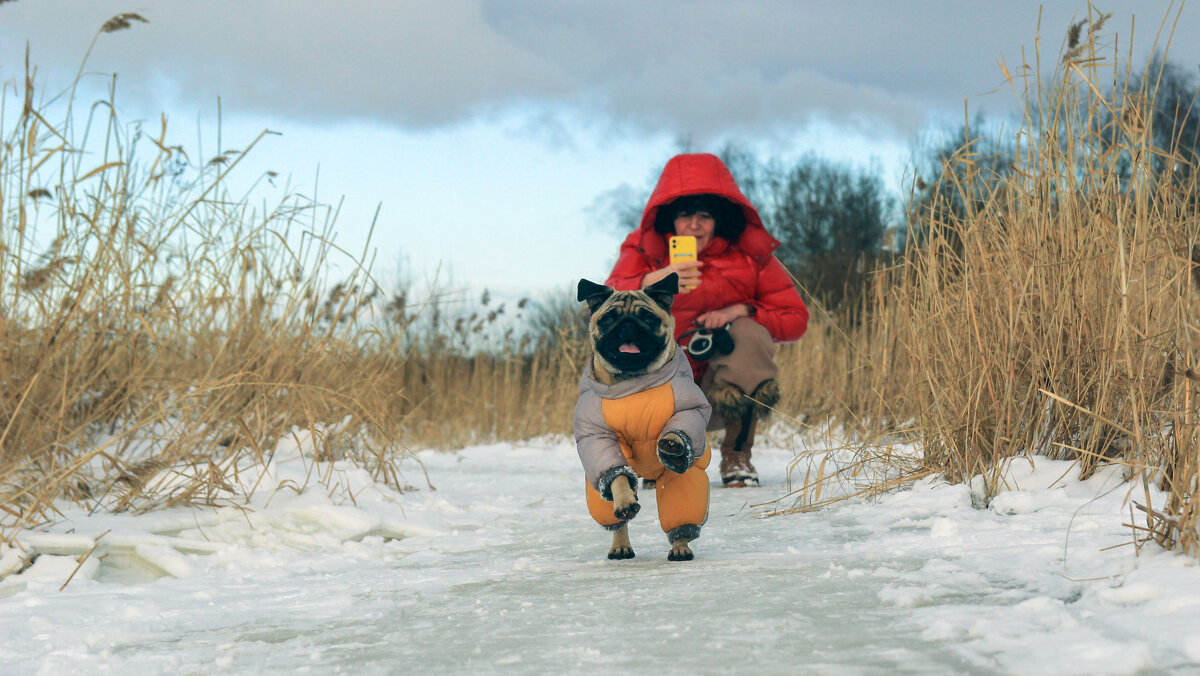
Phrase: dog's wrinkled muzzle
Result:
[630,344]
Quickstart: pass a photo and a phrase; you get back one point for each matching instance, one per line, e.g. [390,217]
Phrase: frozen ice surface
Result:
[501,570]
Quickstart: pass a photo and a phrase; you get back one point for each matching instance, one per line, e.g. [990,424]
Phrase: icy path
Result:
[500,570]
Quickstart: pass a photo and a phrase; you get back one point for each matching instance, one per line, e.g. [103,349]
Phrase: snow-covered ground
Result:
[500,570]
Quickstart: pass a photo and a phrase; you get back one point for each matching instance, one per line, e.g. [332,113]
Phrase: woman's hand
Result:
[688,271]
[717,318]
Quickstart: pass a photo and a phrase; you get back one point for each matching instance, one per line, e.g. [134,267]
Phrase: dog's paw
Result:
[625,504]
[620,553]
[628,511]
[675,451]
[679,552]
[669,445]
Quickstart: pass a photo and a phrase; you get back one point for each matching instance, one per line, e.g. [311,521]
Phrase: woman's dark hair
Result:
[731,221]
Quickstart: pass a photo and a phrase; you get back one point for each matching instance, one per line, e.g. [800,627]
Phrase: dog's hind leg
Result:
[679,538]
[680,551]
[683,509]
[621,547]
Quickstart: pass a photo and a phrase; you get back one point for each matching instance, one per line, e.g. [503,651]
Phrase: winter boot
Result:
[736,469]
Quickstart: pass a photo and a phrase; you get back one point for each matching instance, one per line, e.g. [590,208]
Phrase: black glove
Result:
[675,451]
[722,340]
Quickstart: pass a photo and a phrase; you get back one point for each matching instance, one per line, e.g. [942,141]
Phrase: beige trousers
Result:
[751,362]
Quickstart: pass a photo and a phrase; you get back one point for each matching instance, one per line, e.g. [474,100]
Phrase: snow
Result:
[501,570]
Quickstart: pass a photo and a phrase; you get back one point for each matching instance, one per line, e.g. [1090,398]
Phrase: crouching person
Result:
[736,288]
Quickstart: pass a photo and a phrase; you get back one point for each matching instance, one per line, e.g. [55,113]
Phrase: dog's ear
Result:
[595,294]
[663,291]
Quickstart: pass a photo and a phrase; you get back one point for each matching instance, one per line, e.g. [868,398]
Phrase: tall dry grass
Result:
[1053,311]
[1044,309]
[489,375]
[157,331]
[848,406]
[850,368]
[163,330]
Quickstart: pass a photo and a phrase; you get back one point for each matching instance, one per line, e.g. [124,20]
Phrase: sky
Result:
[487,134]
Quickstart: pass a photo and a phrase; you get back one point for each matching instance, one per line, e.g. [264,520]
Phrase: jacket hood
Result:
[700,174]
[623,388]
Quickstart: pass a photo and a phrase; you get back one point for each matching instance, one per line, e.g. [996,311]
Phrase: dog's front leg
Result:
[625,507]
[675,451]
[625,503]
[621,547]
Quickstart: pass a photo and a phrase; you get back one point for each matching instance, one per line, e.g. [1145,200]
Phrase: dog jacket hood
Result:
[618,426]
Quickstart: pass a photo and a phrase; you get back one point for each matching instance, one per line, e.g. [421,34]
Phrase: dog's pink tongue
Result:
[630,348]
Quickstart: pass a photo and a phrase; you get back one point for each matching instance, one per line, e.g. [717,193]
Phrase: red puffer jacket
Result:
[744,271]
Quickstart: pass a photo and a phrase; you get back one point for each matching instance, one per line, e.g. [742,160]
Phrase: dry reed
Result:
[1048,310]
[159,336]
[1043,310]
[157,333]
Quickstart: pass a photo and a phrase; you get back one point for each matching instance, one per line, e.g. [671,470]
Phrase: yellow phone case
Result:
[682,248]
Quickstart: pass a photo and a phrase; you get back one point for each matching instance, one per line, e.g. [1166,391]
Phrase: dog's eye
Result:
[606,322]
[649,318]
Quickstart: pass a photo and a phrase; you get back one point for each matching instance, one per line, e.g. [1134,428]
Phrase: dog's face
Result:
[632,332]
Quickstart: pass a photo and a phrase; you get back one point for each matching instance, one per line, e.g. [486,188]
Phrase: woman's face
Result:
[699,224]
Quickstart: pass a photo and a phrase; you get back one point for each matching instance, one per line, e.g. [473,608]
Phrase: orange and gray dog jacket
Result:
[617,428]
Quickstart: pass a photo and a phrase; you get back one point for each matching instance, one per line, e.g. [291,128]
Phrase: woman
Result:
[736,281]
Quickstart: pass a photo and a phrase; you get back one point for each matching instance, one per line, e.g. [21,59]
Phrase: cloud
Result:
[697,68]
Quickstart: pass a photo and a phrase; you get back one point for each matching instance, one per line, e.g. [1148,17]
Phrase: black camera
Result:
[707,343]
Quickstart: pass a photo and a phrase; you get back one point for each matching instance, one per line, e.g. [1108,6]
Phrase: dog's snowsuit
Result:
[617,428]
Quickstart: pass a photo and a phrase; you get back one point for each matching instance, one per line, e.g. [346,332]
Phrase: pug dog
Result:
[640,414]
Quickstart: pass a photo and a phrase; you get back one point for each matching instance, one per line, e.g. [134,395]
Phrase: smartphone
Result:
[682,248]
